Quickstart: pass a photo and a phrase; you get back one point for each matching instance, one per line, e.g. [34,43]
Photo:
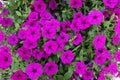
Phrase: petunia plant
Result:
[59,39]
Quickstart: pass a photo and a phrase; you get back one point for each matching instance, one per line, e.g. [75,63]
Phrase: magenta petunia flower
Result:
[37,54]
[46,15]
[21,34]
[12,39]
[30,44]
[44,54]
[113,68]
[78,15]
[95,17]
[83,23]
[52,4]
[50,47]
[75,3]
[104,71]
[74,25]
[101,78]
[31,23]
[80,67]
[33,16]
[1,5]
[100,59]
[4,49]
[105,13]
[105,52]
[65,26]
[60,46]
[117,56]
[7,22]
[48,32]
[116,11]
[5,12]
[63,37]
[33,33]
[34,70]
[39,6]
[53,23]
[117,28]
[51,68]
[67,57]
[110,3]
[5,60]
[99,41]
[18,75]
[24,53]
[77,40]
[116,39]
[2,36]
[88,75]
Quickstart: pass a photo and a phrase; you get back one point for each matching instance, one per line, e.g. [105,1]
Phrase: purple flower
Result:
[74,25]
[67,57]
[60,46]
[65,26]
[7,22]
[5,60]
[88,75]
[12,39]
[78,15]
[33,33]
[46,15]
[99,41]
[80,67]
[117,28]
[4,49]
[105,13]
[104,71]
[95,17]
[83,23]
[117,56]
[34,70]
[24,53]
[116,11]
[39,6]
[18,75]
[5,12]
[100,59]
[110,3]
[50,47]
[31,23]
[29,44]
[44,54]
[113,68]
[78,39]
[63,37]
[105,52]
[37,54]
[2,36]
[101,78]
[51,68]
[75,3]
[33,16]
[116,39]
[1,5]
[53,23]
[21,34]
[52,4]
[48,32]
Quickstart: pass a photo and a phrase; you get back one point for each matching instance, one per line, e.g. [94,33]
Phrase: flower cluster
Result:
[55,48]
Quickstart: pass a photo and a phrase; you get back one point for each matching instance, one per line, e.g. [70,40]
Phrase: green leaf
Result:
[68,74]
[18,13]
